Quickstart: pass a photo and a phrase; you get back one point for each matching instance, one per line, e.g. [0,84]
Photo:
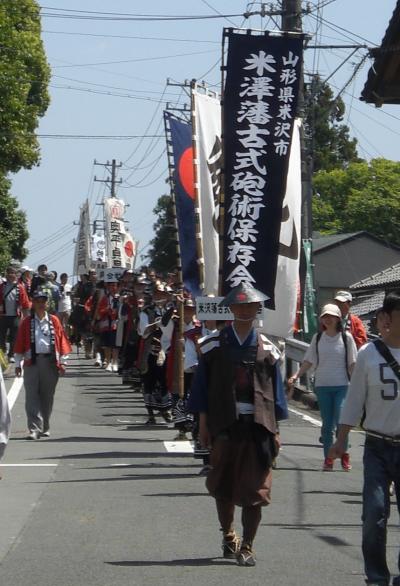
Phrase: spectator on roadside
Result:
[65,302]
[350,323]
[332,354]
[374,400]
[26,278]
[37,280]
[14,303]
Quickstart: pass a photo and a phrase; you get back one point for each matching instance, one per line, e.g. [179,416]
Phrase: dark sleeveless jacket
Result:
[221,413]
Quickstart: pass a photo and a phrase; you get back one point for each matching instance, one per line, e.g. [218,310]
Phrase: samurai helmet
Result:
[244,293]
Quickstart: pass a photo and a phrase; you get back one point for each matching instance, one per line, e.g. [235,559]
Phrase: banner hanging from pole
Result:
[83,244]
[260,104]
[180,135]
[281,320]
[207,112]
[310,319]
[120,247]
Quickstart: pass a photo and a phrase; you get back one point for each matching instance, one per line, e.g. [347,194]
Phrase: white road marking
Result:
[179,447]
[28,465]
[307,418]
[14,391]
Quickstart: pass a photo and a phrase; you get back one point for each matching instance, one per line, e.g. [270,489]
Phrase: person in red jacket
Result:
[351,323]
[14,302]
[107,312]
[43,348]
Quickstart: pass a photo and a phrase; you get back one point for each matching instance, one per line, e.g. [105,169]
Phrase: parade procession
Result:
[199,358]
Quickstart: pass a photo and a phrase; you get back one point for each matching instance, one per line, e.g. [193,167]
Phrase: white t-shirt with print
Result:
[375,387]
[330,369]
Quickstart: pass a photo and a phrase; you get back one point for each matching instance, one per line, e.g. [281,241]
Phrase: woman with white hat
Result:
[332,354]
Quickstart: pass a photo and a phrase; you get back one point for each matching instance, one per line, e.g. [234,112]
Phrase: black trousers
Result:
[8,327]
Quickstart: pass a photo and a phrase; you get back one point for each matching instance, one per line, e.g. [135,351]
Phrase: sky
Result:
[109,79]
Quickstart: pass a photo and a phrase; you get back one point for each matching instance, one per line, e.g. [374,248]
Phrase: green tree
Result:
[327,136]
[24,77]
[162,254]
[364,196]
[13,231]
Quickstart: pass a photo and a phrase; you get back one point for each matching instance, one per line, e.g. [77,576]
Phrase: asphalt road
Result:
[103,503]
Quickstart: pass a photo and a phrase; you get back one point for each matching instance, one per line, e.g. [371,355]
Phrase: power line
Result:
[98,136]
[140,59]
[115,16]
[102,92]
[141,38]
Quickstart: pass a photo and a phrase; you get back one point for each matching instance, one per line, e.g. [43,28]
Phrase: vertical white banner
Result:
[207,110]
[280,322]
[98,248]
[83,243]
[119,244]
[129,250]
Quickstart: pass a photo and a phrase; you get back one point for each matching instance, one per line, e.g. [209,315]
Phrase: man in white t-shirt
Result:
[374,398]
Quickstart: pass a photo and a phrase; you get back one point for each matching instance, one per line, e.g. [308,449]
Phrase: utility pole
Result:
[111,181]
[292,21]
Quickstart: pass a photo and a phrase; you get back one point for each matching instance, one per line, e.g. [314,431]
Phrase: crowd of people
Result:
[220,381]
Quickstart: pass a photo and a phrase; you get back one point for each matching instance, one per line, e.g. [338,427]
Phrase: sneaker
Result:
[45,433]
[166,415]
[328,465]
[33,435]
[11,360]
[104,365]
[345,459]
[151,421]
[181,437]
[115,367]
[97,362]
[230,546]
[109,367]
[245,557]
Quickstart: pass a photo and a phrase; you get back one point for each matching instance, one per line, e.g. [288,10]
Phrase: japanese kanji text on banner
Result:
[260,103]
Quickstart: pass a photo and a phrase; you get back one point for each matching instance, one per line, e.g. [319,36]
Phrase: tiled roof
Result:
[388,276]
[367,304]
[320,242]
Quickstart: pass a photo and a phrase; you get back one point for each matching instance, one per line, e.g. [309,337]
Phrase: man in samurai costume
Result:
[238,393]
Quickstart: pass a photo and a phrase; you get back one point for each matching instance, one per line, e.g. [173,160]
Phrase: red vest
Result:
[23,341]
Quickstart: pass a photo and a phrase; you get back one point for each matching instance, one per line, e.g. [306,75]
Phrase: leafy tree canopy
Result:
[364,196]
[162,254]
[13,231]
[328,136]
[24,76]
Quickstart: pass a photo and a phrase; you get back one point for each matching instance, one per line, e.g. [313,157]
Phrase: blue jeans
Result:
[381,467]
[330,401]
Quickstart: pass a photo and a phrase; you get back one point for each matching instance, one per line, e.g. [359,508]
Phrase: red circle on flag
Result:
[241,297]
[129,249]
[185,170]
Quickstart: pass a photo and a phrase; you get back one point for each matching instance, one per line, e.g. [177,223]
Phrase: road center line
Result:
[14,391]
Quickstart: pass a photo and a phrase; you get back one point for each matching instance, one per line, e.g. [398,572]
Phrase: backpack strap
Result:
[346,352]
[316,346]
[388,356]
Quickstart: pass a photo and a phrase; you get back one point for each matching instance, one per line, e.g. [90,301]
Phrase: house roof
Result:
[365,305]
[383,82]
[321,242]
[388,276]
